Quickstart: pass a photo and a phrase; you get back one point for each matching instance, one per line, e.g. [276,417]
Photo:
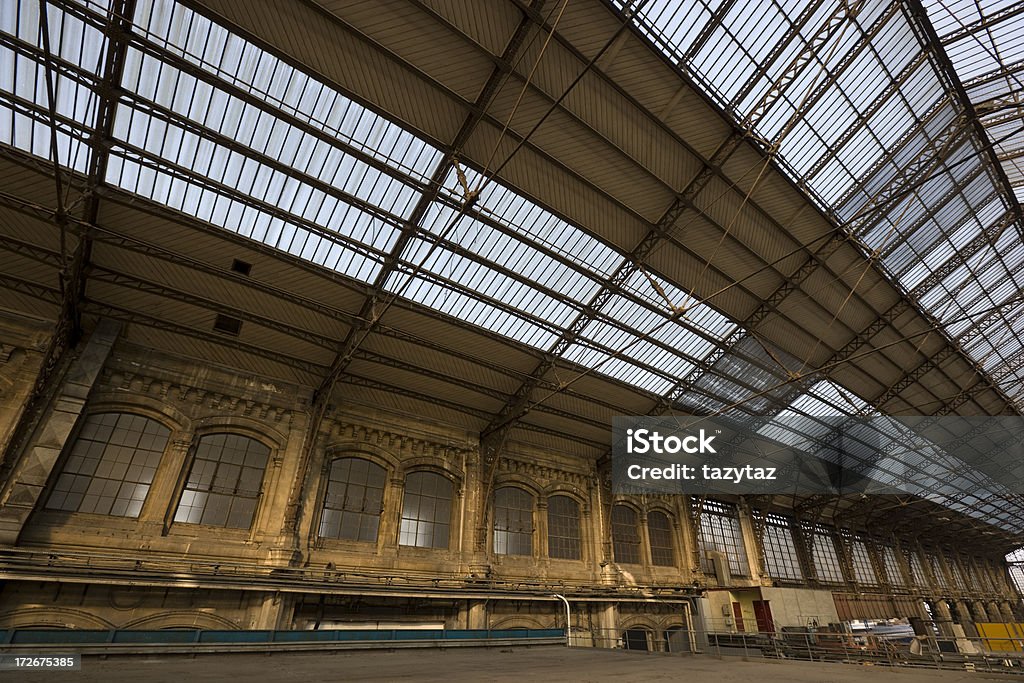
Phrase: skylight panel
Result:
[863,79]
[26,124]
[244,124]
[266,184]
[686,341]
[218,208]
[464,305]
[803,146]
[703,316]
[832,114]
[535,224]
[515,255]
[741,379]
[214,49]
[333,192]
[490,282]
[829,393]
[637,348]
[844,162]
[675,23]
[794,425]
[725,64]
[661,352]
[762,30]
[70,39]
[529,315]
[617,367]
[971,58]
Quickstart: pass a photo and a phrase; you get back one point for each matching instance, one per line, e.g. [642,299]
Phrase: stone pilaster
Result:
[158,510]
[33,468]
[608,625]
[943,618]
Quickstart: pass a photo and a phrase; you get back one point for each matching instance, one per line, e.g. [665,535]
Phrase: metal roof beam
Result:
[811,264]
[376,301]
[519,404]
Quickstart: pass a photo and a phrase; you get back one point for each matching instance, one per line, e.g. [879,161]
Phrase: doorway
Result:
[635,639]
[763,615]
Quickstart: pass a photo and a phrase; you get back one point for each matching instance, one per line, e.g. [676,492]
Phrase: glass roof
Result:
[212,126]
[985,42]
[892,453]
[869,125]
[205,149]
[24,118]
[253,145]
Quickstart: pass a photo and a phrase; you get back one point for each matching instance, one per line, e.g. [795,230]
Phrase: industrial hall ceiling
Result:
[520,219]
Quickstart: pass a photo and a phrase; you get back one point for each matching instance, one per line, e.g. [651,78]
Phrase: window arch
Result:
[354,500]
[513,521]
[110,466]
[224,482]
[625,534]
[426,510]
[563,528]
[659,531]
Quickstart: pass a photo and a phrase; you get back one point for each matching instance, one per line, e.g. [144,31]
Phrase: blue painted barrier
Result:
[34,636]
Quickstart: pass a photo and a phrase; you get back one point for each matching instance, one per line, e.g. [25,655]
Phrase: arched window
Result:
[354,500]
[224,482]
[659,530]
[563,528]
[110,466]
[426,510]
[625,535]
[513,521]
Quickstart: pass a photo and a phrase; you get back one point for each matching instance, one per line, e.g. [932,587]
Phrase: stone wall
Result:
[193,399]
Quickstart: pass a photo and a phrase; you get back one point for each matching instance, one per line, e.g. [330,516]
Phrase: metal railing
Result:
[146,568]
[1003,654]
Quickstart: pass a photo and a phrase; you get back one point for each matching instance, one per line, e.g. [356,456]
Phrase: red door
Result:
[763,614]
[737,612]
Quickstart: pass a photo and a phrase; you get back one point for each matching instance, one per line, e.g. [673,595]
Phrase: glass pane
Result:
[659,531]
[426,510]
[513,521]
[353,501]
[563,528]
[625,535]
[224,481]
[110,465]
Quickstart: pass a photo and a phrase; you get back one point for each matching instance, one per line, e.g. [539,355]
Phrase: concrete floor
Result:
[519,665]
